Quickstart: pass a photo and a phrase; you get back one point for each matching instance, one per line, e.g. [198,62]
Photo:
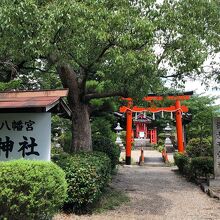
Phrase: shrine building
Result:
[143,128]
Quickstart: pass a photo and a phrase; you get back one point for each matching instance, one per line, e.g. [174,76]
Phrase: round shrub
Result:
[106,145]
[160,148]
[87,174]
[197,147]
[202,166]
[31,189]
[182,162]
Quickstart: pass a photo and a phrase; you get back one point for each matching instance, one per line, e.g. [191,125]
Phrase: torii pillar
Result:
[128,136]
[179,127]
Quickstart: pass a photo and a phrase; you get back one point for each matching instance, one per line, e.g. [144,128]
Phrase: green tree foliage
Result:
[14,84]
[203,110]
[107,146]
[102,126]
[111,42]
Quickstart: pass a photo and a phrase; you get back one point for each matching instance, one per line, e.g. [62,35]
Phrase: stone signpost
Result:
[216,145]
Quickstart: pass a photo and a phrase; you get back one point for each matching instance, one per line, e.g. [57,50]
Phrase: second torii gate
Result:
[177,108]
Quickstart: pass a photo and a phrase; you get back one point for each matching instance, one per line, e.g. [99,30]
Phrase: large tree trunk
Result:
[78,102]
[81,128]
[81,131]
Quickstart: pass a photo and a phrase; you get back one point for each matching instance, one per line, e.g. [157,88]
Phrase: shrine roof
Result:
[173,94]
[168,96]
[34,101]
[142,119]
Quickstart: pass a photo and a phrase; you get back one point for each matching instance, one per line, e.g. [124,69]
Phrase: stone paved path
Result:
[151,157]
[158,193]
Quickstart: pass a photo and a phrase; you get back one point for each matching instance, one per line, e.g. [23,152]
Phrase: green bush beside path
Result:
[31,189]
[197,162]
[87,174]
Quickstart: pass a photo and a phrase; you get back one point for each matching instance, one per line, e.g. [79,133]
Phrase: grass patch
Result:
[110,200]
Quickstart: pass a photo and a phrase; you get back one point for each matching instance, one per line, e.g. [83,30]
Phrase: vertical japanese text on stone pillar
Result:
[216,144]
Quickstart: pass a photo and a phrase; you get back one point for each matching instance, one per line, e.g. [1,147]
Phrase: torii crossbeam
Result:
[177,108]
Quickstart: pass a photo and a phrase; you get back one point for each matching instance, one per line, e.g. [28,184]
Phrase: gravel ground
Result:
[157,193]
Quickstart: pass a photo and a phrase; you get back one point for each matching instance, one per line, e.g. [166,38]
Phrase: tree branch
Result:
[69,80]
[77,62]
[38,69]
[163,55]
[83,82]
[140,47]
[90,96]
[56,35]
[9,68]
[8,64]
[108,46]
[172,75]
[85,70]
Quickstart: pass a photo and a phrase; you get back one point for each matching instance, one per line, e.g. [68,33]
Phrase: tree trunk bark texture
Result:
[81,128]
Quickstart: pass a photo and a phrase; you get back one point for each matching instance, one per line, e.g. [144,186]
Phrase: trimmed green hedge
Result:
[106,145]
[31,189]
[194,167]
[197,147]
[87,174]
[202,166]
[182,162]
[198,160]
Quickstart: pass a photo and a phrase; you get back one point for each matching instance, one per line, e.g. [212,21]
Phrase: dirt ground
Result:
[157,193]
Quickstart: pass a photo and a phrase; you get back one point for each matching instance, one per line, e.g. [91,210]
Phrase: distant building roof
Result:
[142,119]
[35,101]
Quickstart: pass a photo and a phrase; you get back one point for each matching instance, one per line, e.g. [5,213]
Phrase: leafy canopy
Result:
[203,110]
[119,43]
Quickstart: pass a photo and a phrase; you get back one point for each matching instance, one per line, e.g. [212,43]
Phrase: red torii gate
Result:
[177,108]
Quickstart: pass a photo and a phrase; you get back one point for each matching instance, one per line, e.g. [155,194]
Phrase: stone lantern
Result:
[118,130]
[168,143]
[55,139]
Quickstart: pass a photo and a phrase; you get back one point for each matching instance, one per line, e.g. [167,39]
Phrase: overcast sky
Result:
[198,88]
[212,88]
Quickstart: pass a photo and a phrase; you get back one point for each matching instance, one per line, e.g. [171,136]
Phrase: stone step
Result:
[153,161]
[144,148]
[152,158]
[154,165]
